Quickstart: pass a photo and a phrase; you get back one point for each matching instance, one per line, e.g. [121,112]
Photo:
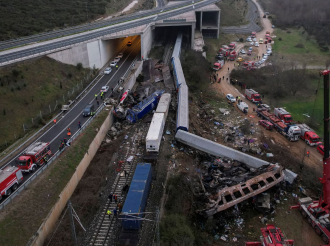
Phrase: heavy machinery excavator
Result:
[317,212]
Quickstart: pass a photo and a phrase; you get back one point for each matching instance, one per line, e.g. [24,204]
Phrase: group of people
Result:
[63,143]
[117,210]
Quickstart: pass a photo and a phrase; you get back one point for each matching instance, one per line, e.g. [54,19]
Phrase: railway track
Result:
[106,227]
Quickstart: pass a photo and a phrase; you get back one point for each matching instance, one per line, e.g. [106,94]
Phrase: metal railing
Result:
[49,123]
[51,160]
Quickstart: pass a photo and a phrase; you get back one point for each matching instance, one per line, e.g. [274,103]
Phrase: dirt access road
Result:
[298,149]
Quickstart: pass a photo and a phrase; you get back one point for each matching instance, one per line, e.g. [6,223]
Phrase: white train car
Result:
[164,104]
[155,133]
[182,117]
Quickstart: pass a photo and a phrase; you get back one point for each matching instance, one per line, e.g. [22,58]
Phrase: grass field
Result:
[309,110]
[309,52]
[30,87]
[45,188]
[233,12]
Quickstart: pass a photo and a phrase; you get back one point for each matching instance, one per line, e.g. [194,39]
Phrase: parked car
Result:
[269,52]
[262,60]
[320,149]
[117,59]
[273,26]
[261,41]
[249,52]
[120,55]
[129,43]
[113,63]
[240,59]
[251,43]
[105,89]
[250,48]
[256,44]
[254,39]
[89,110]
[248,39]
[231,98]
[265,123]
[243,52]
[107,70]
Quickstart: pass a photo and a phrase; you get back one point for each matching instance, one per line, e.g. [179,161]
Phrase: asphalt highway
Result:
[58,132]
[86,27]
[99,33]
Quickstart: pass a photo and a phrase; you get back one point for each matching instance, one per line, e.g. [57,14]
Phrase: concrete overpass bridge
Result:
[95,44]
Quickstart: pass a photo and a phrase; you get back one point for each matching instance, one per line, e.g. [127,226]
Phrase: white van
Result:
[243,106]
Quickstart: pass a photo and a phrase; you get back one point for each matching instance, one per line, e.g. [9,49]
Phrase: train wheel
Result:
[309,220]
[9,191]
[317,230]
[303,213]
[14,187]
[325,239]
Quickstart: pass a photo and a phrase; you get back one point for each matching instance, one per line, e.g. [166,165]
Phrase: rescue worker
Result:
[307,153]
[120,207]
[109,214]
[65,141]
[69,131]
[102,95]
[54,121]
[115,197]
[97,102]
[116,67]
[110,197]
[115,212]
[79,125]
[95,96]
[45,159]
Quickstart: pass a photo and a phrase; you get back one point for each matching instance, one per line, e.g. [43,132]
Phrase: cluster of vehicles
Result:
[224,52]
[113,63]
[33,157]
[280,120]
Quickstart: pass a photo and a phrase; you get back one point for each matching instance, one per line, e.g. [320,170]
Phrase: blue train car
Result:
[144,107]
[177,46]
[178,72]
[137,196]
[182,117]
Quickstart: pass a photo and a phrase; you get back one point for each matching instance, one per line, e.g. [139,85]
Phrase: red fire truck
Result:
[10,177]
[35,155]
[252,95]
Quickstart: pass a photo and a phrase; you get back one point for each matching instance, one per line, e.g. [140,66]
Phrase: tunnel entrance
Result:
[166,35]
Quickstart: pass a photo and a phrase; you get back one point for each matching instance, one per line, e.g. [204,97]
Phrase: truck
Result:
[218,65]
[309,135]
[283,115]
[137,196]
[233,55]
[252,96]
[224,51]
[232,46]
[143,107]
[291,132]
[155,132]
[10,178]
[243,107]
[35,155]
[248,64]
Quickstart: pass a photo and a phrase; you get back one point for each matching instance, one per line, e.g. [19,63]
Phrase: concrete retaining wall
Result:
[146,41]
[94,54]
[131,80]
[48,225]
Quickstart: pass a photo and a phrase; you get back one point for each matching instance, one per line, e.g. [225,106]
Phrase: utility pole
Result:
[74,236]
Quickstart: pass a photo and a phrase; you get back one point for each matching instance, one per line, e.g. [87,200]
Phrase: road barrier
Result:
[47,226]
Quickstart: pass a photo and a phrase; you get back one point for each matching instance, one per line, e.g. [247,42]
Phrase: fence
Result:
[48,224]
[40,170]
[47,113]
